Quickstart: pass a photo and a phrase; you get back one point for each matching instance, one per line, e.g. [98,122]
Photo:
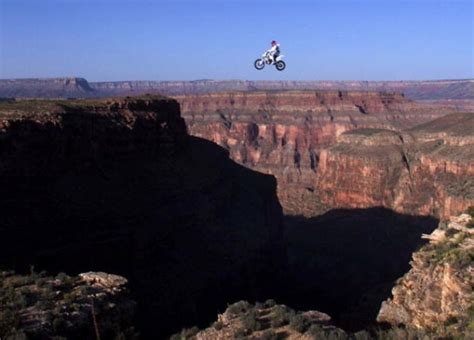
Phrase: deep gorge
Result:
[120,186]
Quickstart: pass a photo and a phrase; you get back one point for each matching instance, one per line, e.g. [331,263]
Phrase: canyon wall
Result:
[119,186]
[458,90]
[437,89]
[426,170]
[292,135]
[436,293]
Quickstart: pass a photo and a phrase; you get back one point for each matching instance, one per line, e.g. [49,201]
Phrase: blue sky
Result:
[220,39]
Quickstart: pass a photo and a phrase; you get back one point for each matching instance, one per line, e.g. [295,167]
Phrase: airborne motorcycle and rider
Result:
[271,57]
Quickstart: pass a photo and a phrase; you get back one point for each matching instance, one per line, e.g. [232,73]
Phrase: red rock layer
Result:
[427,170]
[282,133]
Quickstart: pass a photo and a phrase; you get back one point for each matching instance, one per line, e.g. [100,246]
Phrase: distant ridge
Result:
[47,88]
[462,89]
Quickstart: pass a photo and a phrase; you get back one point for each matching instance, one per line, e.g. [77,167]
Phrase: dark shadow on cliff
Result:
[345,262]
[190,229]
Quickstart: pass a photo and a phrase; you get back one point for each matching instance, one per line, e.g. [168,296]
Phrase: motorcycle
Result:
[267,59]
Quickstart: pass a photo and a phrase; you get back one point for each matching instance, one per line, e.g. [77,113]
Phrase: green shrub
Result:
[327,333]
[315,331]
[61,276]
[470,211]
[241,333]
[470,224]
[300,323]
[269,335]
[281,316]
[460,258]
[9,320]
[270,303]
[362,335]
[451,321]
[396,333]
[218,325]
[69,298]
[450,232]
[250,322]
[239,308]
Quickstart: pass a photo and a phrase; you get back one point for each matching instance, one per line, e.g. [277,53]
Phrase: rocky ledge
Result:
[436,294]
[271,321]
[76,307]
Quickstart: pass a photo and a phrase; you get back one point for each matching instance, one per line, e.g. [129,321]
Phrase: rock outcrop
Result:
[283,133]
[268,320]
[436,293]
[117,185]
[426,170]
[39,306]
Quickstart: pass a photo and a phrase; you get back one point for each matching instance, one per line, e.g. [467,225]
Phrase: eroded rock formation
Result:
[284,133]
[119,186]
[426,170]
[437,291]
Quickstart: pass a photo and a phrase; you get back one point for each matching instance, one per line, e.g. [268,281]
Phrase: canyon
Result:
[119,186]
[336,149]
[185,197]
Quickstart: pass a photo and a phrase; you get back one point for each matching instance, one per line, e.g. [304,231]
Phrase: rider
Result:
[275,50]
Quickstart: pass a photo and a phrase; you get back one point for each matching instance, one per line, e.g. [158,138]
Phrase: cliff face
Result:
[437,291]
[437,89]
[46,88]
[283,133]
[119,186]
[426,170]
[461,90]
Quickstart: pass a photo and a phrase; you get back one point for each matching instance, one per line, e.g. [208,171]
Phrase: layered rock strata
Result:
[283,133]
[443,90]
[426,170]
[437,89]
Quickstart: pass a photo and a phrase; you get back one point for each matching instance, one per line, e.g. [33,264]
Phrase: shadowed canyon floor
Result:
[117,185]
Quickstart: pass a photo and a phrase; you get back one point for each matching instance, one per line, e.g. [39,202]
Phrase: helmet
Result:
[273,42]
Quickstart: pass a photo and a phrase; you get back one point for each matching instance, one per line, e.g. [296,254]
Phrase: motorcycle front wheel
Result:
[280,65]
[259,64]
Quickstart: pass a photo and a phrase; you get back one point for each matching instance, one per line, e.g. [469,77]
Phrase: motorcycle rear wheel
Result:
[280,65]
[259,64]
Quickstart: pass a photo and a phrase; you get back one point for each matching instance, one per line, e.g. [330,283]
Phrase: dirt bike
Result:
[267,59]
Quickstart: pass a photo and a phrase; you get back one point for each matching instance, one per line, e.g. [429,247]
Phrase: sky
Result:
[112,40]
